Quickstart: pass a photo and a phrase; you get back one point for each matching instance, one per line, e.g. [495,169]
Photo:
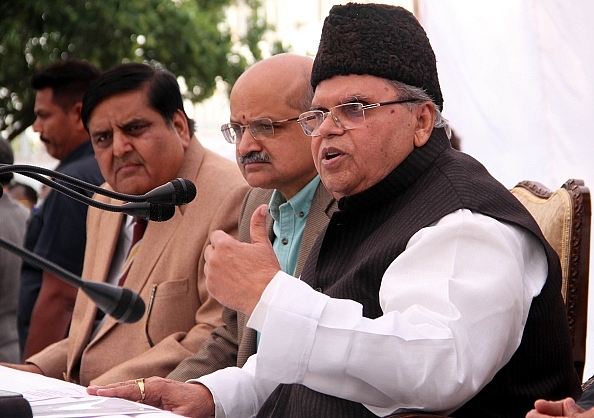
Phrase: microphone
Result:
[123,304]
[177,192]
[146,210]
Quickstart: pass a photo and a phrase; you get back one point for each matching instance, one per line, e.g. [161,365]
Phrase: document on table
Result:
[53,398]
[90,406]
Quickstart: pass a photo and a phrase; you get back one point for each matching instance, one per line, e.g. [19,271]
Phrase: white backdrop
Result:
[517,78]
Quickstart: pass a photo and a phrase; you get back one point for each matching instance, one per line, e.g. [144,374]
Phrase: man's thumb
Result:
[258,232]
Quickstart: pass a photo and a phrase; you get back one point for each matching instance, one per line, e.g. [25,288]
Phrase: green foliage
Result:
[190,38]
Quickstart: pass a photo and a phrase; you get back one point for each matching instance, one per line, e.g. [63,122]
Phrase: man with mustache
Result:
[57,231]
[274,156]
[275,159]
[431,289]
[142,139]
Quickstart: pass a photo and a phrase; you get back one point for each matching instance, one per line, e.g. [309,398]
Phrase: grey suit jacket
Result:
[13,223]
[233,343]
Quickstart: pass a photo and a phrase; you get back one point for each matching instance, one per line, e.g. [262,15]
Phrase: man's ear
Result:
[180,125]
[75,113]
[425,113]
[76,110]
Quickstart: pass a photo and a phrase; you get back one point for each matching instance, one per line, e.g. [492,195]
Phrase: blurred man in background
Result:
[24,194]
[57,231]
[13,221]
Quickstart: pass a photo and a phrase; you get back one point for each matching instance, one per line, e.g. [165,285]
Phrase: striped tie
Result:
[139,228]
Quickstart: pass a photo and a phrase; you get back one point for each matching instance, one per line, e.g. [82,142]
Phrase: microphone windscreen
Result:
[119,302]
[130,307]
[185,191]
[161,213]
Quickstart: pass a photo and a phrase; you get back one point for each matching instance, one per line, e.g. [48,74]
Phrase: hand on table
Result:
[191,400]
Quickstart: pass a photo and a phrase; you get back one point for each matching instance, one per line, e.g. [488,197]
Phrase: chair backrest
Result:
[564,216]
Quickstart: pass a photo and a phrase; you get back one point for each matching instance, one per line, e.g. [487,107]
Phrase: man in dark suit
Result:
[56,231]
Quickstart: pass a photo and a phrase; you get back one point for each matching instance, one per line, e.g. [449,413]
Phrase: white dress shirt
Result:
[454,305]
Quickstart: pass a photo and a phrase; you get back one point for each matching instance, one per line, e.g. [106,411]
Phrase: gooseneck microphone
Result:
[177,192]
[146,210]
[123,304]
[158,204]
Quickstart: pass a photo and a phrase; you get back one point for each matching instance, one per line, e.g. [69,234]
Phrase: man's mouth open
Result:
[330,154]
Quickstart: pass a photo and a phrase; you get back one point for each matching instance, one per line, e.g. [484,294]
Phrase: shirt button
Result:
[301,214]
[285,241]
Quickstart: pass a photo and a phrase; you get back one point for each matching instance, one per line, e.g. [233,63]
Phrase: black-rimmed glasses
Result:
[345,116]
[259,128]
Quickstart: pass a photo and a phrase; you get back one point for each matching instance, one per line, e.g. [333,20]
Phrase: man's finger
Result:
[258,232]
[553,408]
[130,392]
[92,389]
[217,237]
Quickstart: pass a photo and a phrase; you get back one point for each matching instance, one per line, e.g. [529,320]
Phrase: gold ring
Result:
[140,383]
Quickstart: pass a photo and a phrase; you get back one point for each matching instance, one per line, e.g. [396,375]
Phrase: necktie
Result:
[137,233]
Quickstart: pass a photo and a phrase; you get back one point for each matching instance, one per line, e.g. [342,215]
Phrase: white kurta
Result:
[454,305]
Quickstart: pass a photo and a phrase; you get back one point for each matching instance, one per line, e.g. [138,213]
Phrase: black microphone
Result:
[123,304]
[177,192]
[146,210]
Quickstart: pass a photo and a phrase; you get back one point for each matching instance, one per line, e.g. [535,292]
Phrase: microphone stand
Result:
[138,207]
[28,170]
[183,192]
[122,303]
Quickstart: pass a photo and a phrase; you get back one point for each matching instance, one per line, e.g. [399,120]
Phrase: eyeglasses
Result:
[259,128]
[345,116]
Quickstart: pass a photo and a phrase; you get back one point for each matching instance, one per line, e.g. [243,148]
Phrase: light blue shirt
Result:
[289,223]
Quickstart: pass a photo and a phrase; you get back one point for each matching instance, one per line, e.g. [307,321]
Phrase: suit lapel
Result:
[323,206]
[106,239]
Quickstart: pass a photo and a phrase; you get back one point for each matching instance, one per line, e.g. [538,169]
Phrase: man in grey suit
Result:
[278,165]
[275,158]
[13,223]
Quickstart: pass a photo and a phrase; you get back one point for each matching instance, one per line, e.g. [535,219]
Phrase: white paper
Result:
[54,398]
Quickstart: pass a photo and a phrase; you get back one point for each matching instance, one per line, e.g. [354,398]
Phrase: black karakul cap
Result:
[380,40]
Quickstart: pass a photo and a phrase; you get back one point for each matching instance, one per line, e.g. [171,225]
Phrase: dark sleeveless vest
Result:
[373,227]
